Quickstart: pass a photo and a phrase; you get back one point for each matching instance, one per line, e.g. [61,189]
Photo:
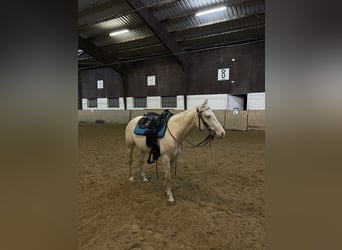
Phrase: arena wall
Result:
[238,102]
[216,102]
[256,119]
[230,120]
[107,116]
[236,121]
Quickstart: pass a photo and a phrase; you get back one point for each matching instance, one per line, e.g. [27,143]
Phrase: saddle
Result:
[153,126]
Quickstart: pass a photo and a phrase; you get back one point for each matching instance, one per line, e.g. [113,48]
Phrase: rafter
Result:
[132,44]
[161,4]
[226,25]
[157,28]
[97,53]
[93,9]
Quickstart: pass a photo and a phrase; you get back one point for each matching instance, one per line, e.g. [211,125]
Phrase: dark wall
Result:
[198,77]
[112,83]
[169,78]
[247,71]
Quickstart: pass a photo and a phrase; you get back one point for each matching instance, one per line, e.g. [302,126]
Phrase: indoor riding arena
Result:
[203,61]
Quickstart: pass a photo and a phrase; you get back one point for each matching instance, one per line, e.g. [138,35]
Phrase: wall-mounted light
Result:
[118,32]
[210,11]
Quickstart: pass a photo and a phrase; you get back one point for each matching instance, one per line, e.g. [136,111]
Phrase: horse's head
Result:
[208,120]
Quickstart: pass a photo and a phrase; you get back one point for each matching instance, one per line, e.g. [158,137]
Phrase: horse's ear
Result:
[204,104]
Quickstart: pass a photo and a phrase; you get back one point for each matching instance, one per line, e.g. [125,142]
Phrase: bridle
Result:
[205,141]
[200,118]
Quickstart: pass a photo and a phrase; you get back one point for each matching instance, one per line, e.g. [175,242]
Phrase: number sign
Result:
[223,74]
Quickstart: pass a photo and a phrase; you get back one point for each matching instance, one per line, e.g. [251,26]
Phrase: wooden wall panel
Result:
[109,116]
[252,119]
[236,121]
[256,119]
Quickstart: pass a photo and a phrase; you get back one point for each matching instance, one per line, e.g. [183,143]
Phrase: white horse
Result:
[179,127]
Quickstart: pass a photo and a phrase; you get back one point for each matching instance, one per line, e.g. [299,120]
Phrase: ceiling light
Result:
[118,32]
[210,11]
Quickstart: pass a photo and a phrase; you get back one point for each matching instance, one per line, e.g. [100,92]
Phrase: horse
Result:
[178,128]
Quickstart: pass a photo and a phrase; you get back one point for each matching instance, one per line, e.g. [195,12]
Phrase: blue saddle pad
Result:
[161,132]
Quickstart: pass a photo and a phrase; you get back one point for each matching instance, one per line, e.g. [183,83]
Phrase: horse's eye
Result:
[208,116]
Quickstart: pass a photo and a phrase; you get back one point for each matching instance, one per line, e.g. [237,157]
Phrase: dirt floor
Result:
[219,193]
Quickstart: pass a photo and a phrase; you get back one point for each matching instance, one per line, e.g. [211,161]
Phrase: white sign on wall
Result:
[223,74]
[151,80]
[100,84]
[235,111]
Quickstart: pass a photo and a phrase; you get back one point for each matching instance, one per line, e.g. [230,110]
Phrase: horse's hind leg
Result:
[141,165]
[130,160]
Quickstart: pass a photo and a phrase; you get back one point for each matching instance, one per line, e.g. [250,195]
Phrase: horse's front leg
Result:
[166,164]
[141,164]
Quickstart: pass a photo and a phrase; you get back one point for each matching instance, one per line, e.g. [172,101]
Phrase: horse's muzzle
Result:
[220,134]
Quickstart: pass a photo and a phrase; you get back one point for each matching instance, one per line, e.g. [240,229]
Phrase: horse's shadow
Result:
[184,189]
[198,193]
[201,194]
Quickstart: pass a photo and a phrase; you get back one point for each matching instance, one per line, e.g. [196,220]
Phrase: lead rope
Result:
[202,143]
[157,170]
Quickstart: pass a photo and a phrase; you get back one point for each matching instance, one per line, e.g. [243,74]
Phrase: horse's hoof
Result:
[145,179]
[131,179]
[171,201]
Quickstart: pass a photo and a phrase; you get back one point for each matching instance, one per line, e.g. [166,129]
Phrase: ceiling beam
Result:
[228,25]
[97,53]
[163,35]
[118,9]
[161,4]
[224,33]
[132,44]
[93,50]
[239,42]
[141,51]
[235,37]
